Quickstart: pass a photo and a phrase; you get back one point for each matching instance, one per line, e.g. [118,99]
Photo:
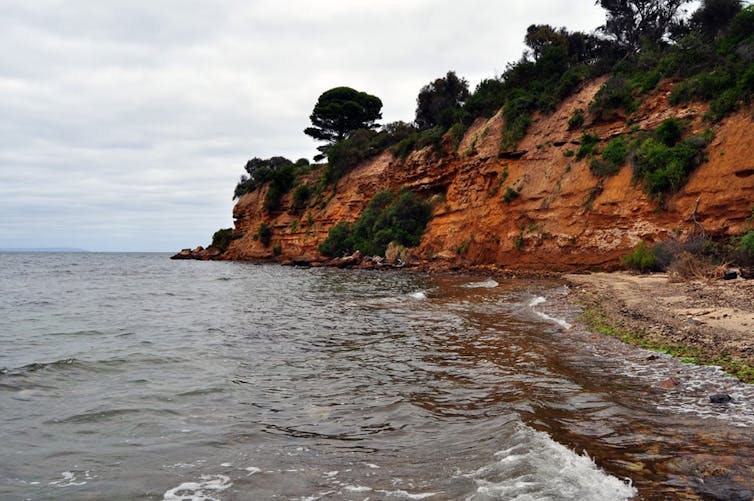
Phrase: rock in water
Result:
[720,398]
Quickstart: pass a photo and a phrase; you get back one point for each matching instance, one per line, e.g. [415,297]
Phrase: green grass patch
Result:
[597,320]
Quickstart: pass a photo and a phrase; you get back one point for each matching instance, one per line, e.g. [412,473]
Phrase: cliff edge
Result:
[535,208]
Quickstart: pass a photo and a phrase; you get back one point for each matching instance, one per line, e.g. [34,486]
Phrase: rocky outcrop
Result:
[563,217]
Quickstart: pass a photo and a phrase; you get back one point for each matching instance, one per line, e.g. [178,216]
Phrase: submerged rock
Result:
[720,398]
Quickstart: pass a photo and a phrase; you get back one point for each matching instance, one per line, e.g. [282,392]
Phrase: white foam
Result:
[419,295]
[252,470]
[559,321]
[537,301]
[357,488]
[209,486]
[407,495]
[554,320]
[68,480]
[537,467]
[487,284]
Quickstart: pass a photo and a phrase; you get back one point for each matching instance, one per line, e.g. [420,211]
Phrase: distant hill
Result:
[43,249]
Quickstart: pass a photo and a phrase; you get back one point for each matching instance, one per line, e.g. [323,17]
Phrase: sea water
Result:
[130,376]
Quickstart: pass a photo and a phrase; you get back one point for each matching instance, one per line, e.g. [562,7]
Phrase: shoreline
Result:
[701,322]
[705,322]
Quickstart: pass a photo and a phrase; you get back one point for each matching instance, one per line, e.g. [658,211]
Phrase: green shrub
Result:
[280,182]
[646,82]
[727,102]
[704,86]
[588,145]
[665,168]
[301,196]
[615,94]
[338,241]
[517,112]
[389,217]
[640,259]
[405,145]
[615,152]
[456,132]
[344,155]
[669,132]
[602,168]
[510,195]
[746,248]
[430,137]
[223,237]
[487,99]
[576,120]
[264,234]
[260,171]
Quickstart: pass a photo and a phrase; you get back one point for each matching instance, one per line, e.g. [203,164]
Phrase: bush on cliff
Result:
[389,217]
[663,161]
[746,249]
[640,259]
[223,237]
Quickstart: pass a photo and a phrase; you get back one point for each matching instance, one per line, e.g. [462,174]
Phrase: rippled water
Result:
[135,377]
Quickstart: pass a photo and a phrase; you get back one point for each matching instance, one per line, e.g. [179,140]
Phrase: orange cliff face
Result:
[564,218]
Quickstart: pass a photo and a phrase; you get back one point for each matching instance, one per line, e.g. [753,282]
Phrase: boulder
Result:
[183,254]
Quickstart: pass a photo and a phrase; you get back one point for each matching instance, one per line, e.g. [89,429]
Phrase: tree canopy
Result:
[632,23]
[342,110]
[438,101]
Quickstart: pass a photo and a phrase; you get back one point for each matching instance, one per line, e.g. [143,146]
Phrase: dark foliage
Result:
[589,143]
[636,23]
[342,110]
[301,195]
[264,234]
[664,161]
[440,103]
[389,217]
[260,171]
[487,99]
[613,157]
[713,16]
[280,182]
[223,237]
[616,94]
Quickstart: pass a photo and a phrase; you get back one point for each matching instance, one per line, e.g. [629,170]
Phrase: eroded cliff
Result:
[563,218]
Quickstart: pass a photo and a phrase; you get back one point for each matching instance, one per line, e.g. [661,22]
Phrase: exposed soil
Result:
[716,317]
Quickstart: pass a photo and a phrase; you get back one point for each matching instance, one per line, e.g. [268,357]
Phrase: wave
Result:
[486,284]
[559,321]
[209,486]
[537,467]
[418,295]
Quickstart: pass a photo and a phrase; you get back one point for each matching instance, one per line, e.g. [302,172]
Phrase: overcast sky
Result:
[125,124]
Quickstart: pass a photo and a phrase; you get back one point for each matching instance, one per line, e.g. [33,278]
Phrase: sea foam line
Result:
[559,321]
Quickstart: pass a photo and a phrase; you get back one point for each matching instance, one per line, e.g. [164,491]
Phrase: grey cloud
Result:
[136,118]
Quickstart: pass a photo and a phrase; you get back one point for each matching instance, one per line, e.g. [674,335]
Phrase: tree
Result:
[342,110]
[438,101]
[539,36]
[631,23]
[713,16]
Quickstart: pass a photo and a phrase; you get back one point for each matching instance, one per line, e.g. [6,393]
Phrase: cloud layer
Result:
[125,124]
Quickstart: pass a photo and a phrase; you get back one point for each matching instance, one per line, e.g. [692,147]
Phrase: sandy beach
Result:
[709,322]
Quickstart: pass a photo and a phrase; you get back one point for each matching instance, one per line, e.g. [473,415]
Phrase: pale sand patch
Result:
[715,316]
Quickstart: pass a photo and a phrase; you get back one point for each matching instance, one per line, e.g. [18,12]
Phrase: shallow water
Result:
[128,376]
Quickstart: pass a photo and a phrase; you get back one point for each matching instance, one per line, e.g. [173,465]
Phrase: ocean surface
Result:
[130,376]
